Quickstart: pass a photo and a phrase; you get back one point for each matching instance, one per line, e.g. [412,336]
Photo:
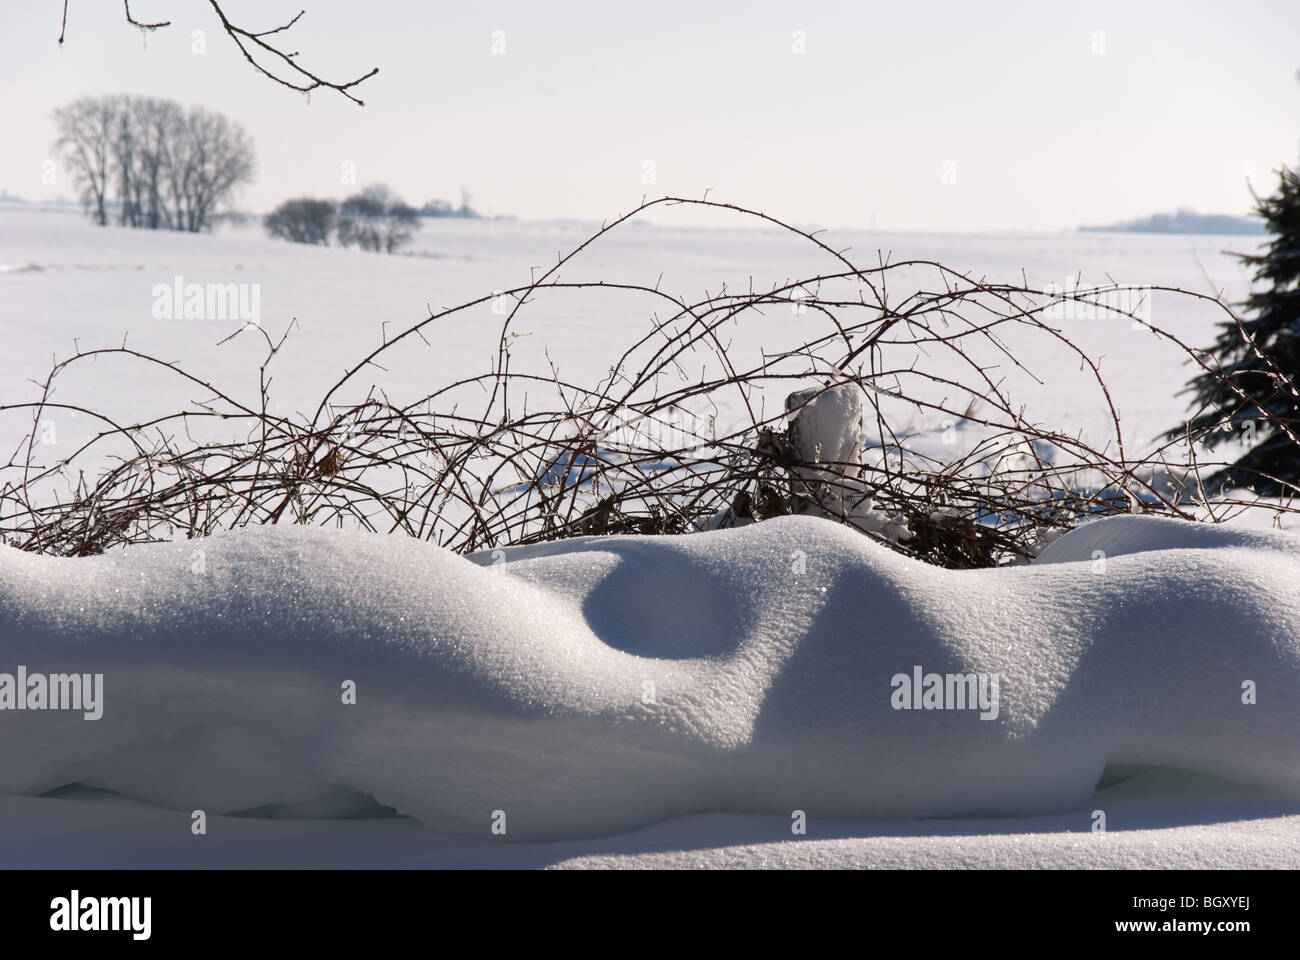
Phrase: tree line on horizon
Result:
[374,219]
[1185,221]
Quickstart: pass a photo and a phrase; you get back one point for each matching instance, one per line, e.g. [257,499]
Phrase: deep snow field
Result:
[659,702]
[629,701]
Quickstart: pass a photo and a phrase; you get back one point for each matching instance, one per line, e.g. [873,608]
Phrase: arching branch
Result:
[126,4]
[253,44]
[306,80]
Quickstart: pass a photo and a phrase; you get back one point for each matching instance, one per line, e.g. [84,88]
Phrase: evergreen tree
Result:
[1267,373]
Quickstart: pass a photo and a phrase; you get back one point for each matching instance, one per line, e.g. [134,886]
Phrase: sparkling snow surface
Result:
[693,690]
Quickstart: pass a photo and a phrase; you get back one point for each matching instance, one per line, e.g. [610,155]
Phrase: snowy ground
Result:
[1166,825]
[520,686]
[686,698]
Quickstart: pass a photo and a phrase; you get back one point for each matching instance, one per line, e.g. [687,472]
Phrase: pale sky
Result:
[1044,115]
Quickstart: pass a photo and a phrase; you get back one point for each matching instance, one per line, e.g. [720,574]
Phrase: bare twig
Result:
[252,44]
[651,448]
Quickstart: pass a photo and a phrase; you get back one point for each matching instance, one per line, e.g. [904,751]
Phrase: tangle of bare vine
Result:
[645,450]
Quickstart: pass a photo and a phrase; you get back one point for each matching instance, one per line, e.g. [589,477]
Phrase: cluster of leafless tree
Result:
[374,219]
[151,163]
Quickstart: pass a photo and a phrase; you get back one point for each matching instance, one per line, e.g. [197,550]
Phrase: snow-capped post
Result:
[825,442]
[825,429]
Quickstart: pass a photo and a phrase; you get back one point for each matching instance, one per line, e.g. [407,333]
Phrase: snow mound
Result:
[1114,536]
[591,686]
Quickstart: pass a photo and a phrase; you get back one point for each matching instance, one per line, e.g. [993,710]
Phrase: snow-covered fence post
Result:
[825,429]
[828,479]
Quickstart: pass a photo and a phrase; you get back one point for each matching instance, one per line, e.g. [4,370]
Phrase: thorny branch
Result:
[253,43]
[658,446]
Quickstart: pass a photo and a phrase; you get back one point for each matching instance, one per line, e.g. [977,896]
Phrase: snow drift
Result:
[589,686]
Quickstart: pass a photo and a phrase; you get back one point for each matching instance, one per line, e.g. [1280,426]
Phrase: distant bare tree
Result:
[159,122]
[171,169]
[361,222]
[376,219]
[305,220]
[142,129]
[85,129]
[216,156]
[124,151]
[403,221]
